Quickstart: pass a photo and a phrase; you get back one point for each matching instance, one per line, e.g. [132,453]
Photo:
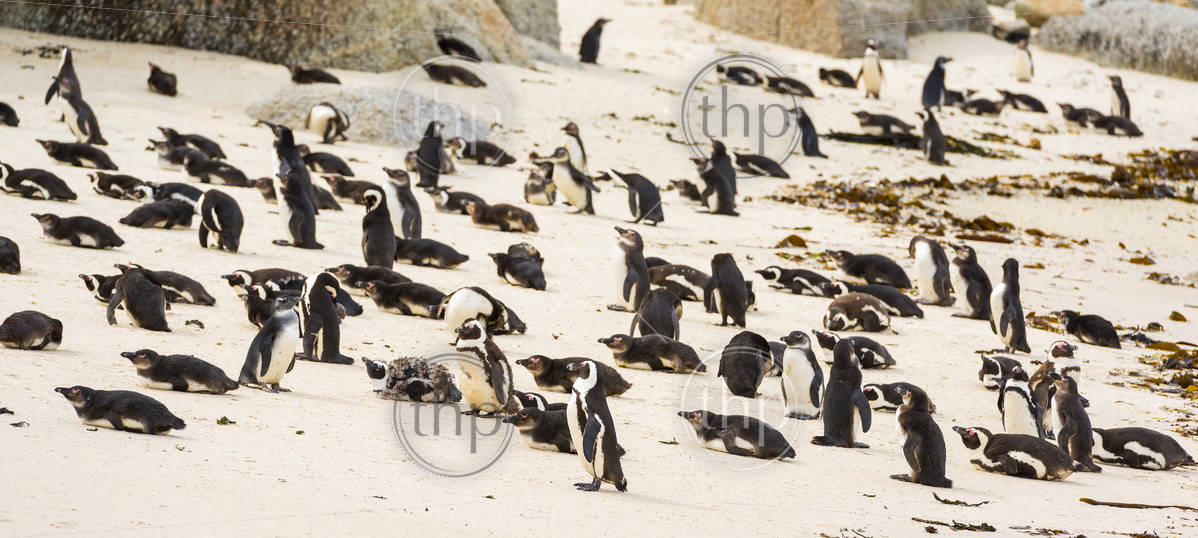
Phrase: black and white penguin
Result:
[220,216]
[428,253]
[262,276]
[171,157]
[328,121]
[737,74]
[996,368]
[299,212]
[428,155]
[654,351]
[593,431]
[479,151]
[760,165]
[970,283]
[881,124]
[744,362]
[726,291]
[870,269]
[78,115]
[897,303]
[183,373]
[1082,116]
[1020,412]
[555,374]
[300,75]
[795,280]
[452,46]
[452,74]
[320,320]
[214,171]
[34,183]
[527,251]
[486,386]
[870,353]
[932,142]
[272,351]
[659,313]
[519,271]
[857,311]
[632,273]
[8,116]
[405,298]
[161,81]
[1022,68]
[1139,448]
[100,285]
[1117,126]
[473,302]
[165,214]
[802,377]
[83,232]
[121,410]
[378,235]
[931,271]
[843,401]
[1015,454]
[78,154]
[543,430]
[323,162]
[66,71]
[808,138]
[539,190]
[141,296]
[1022,101]
[588,49]
[349,190]
[979,106]
[578,151]
[30,329]
[354,277]
[716,182]
[198,142]
[889,396]
[401,203]
[120,186]
[1006,310]
[685,281]
[576,187]
[644,200]
[933,86]
[504,217]
[182,192]
[1120,105]
[1089,328]
[10,256]
[923,443]
[177,287]
[837,77]
[871,71]
[787,86]
[738,435]
[686,189]
[1071,424]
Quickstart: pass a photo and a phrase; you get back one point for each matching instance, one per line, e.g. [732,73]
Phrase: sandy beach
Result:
[324,459]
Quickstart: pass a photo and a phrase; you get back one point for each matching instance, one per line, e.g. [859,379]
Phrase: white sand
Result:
[259,477]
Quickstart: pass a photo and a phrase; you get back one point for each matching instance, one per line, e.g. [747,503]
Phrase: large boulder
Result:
[1038,12]
[371,35]
[1148,36]
[534,18]
[842,27]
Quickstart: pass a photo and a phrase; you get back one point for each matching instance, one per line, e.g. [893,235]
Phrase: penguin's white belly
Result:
[158,385]
[1017,419]
[40,189]
[575,193]
[319,119]
[281,353]
[88,162]
[572,410]
[799,376]
[715,444]
[284,208]
[1057,422]
[619,262]
[872,75]
[1115,104]
[989,382]
[1158,459]
[538,445]
[99,423]
[925,271]
[132,424]
[71,117]
[850,278]
[422,310]
[996,308]
[538,197]
[961,287]
[1035,463]
[577,157]
[394,208]
[1023,66]
[873,129]
[166,164]
[476,390]
[463,305]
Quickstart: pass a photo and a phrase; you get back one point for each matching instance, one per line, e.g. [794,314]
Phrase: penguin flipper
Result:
[498,383]
[632,203]
[590,438]
[115,300]
[265,347]
[629,282]
[817,383]
[52,91]
[1004,322]
[863,409]
[709,294]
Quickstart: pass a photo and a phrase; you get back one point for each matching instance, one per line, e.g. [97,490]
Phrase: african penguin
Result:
[320,320]
[183,373]
[843,401]
[738,435]
[220,216]
[121,410]
[933,87]
[593,431]
[1020,412]
[631,271]
[1006,310]
[378,235]
[923,443]
[30,329]
[1139,448]
[871,70]
[486,386]
[931,271]
[272,351]
[802,377]
[970,283]
[588,49]
[1015,454]
[142,297]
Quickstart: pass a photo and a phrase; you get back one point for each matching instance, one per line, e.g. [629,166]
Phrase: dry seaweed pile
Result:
[910,141]
[1174,372]
[1167,173]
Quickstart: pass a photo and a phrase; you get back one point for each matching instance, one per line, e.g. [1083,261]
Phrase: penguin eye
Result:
[971,432]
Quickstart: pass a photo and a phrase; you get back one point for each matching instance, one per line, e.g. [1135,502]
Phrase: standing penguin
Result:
[378,235]
[401,204]
[578,151]
[726,291]
[844,401]
[718,183]
[644,200]
[931,271]
[221,216]
[486,386]
[66,71]
[871,71]
[588,50]
[79,117]
[1072,424]
[970,283]
[803,375]
[933,86]
[632,273]
[576,187]
[295,192]
[1023,68]
[1120,105]
[321,320]
[1006,311]
[328,121]
[808,138]
[924,444]
[592,430]
[142,297]
[272,351]
[428,155]
[744,362]
[932,142]
[1020,412]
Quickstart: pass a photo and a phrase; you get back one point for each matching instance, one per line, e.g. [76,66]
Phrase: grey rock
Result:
[534,18]
[1149,36]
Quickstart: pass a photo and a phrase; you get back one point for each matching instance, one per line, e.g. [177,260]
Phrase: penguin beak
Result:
[128,355]
[509,420]
[62,390]
[960,430]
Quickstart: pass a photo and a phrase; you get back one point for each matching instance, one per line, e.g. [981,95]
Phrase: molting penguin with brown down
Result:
[30,329]
[857,311]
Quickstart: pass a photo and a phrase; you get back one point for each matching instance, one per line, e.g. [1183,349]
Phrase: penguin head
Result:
[972,438]
[47,220]
[770,273]
[48,145]
[525,418]
[374,369]
[571,128]
[915,399]
[581,369]
[560,155]
[941,60]
[825,339]
[433,129]
[535,363]
[844,355]
[284,303]
[78,395]
[702,164]
[629,238]
[839,256]
[471,330]
[829,289]
[1022,44]
[871,45]
[142,358]
[398,176]
[796,339]
[835,321]
[373,197]
[699,418]
[616,342]
[1061,348]
[1116,81]
[303,150]
[964,253]
[871,392]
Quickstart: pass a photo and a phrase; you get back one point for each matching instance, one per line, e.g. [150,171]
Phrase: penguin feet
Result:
[901,477]
[281,242]
[1087,468]
[588,486]
[802,416]
[618,308]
